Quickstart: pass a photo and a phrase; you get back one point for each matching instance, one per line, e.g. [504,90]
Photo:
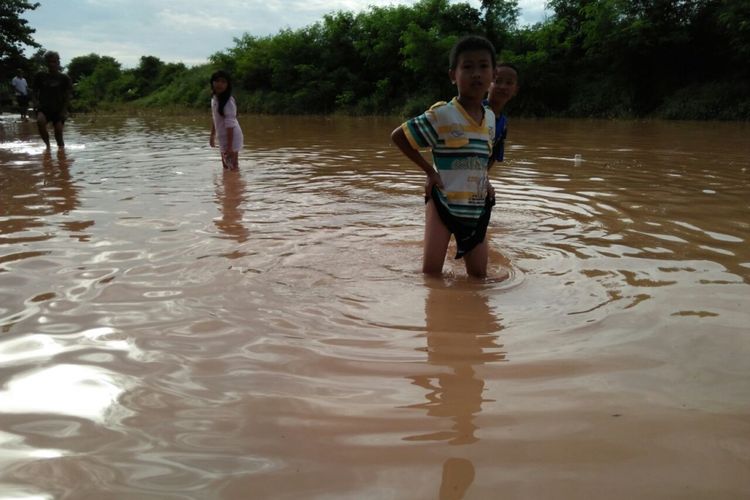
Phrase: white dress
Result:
[229,120]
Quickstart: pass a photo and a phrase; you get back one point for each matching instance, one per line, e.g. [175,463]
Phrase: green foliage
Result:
[190,89]
[598,58]
[709,101]
[629,58]
[424,53]
[604,98]
[102,81]
[500,20]
[15,34]
[732,19]
[82,66]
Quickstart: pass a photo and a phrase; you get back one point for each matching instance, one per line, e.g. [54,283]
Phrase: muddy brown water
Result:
[172,331]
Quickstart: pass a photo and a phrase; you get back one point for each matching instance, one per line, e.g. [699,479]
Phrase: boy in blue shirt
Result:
[502,90]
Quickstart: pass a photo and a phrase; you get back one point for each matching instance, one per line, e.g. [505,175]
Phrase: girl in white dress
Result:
[225,124]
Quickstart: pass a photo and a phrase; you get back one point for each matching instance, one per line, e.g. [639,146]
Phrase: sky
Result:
[186,31]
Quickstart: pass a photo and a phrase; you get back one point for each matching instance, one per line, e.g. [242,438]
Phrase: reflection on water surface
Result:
[170,330]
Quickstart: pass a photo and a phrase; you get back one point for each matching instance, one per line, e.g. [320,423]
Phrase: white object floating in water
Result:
[578,159]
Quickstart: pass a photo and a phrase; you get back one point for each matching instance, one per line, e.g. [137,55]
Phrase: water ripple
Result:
[170,330]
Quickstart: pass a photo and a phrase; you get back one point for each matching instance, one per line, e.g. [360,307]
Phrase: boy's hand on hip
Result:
[433,179]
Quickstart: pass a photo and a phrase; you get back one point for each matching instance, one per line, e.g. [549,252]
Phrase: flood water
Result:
[172,331]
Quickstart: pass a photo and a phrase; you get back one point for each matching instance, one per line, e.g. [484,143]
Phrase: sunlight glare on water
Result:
[171,330]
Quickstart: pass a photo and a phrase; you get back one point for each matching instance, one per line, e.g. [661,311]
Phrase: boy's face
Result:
[505,86]
[53,63]
[473,73]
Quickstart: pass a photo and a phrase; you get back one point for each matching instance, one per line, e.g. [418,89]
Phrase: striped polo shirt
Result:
[461,149]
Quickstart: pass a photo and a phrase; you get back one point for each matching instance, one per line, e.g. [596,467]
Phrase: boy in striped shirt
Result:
[459,197]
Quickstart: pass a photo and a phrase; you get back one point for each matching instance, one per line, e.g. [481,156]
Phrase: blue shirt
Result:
[501,132]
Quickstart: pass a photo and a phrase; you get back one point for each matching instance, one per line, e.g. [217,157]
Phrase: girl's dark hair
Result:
[467,43]
[224,96]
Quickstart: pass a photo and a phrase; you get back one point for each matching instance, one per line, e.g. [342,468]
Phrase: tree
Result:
[98,84]
[147,75]
[82,66]
[500,19]
[15,33]
[734,21]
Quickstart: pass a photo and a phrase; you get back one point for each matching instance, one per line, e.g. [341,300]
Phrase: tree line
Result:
[676,59]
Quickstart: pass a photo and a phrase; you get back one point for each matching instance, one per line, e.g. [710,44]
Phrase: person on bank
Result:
[52,93]
[460,134]
[21,89]
[225,125]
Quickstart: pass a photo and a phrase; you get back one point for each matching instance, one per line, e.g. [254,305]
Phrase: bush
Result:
[712,101]
[601,99]
[417,105]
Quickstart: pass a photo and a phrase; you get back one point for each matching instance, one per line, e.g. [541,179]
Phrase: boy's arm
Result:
[398,136]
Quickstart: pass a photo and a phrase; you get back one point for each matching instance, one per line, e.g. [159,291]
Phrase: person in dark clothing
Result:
[52,92]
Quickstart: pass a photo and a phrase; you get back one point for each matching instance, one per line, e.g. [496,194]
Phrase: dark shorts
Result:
[23,101]
[53,116]
[467,235]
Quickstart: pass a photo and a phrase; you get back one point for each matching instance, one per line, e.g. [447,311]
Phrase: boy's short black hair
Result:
[467,43]
[509,65]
